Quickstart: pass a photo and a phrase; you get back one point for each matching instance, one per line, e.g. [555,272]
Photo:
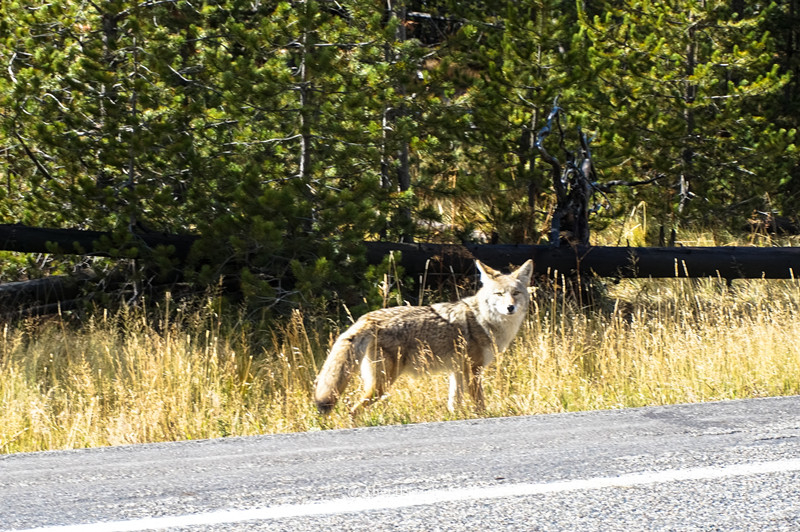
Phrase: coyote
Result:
[457,338]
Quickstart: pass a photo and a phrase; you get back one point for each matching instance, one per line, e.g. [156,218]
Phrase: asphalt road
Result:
[715,466]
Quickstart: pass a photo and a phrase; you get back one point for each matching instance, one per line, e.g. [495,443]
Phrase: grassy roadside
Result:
[191,373]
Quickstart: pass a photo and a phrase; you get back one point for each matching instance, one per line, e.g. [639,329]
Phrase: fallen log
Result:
[21,238]
[603,261]
[46,290]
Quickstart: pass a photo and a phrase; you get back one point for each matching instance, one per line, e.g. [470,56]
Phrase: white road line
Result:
[421,498]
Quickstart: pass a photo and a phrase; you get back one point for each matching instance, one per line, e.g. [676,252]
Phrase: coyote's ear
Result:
[487,273]
[524,272]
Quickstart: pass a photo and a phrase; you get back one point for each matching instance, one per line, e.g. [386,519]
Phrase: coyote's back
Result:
[459,338]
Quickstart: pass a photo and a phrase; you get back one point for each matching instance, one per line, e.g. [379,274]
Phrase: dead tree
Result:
[573,183]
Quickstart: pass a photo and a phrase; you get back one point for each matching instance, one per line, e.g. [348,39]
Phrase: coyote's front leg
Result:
[456,394]
[474,386]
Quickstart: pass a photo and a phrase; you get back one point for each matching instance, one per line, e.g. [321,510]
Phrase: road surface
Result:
[715,466]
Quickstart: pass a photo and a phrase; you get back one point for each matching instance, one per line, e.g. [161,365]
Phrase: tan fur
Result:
[458,338]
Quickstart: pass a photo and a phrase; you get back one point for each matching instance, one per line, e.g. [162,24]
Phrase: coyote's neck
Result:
[501,328]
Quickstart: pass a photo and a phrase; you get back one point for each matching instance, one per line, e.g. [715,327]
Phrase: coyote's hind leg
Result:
[475,386]
[377,376]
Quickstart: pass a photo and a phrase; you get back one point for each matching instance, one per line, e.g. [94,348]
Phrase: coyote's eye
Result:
[515,293]
[498,292]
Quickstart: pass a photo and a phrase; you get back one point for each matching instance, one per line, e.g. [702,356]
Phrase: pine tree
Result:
[489,87]
[243,122]
[783,23]
[684,92]
[300,191]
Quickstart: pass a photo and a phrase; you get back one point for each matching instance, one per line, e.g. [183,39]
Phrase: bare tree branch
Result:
[544,132]
[608,185]
[32,156]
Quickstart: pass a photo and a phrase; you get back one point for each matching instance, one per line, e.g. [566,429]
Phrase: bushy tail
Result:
[346,354]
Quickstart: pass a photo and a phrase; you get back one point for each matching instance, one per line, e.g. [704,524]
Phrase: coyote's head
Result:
[505,294]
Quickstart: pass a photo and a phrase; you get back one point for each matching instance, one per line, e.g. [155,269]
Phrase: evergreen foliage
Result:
[287,132]
[691,91]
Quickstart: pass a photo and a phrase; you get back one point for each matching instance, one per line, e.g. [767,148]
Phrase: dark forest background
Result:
[287,133]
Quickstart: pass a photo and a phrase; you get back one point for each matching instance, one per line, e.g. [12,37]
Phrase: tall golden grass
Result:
[145,375]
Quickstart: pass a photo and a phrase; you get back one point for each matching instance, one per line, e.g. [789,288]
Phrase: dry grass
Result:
[129,379]
[190,373]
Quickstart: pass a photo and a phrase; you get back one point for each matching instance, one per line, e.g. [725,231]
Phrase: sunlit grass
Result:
[169,374]
[128,379]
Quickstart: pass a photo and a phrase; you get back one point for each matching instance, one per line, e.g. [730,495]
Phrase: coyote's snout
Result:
[458,338]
